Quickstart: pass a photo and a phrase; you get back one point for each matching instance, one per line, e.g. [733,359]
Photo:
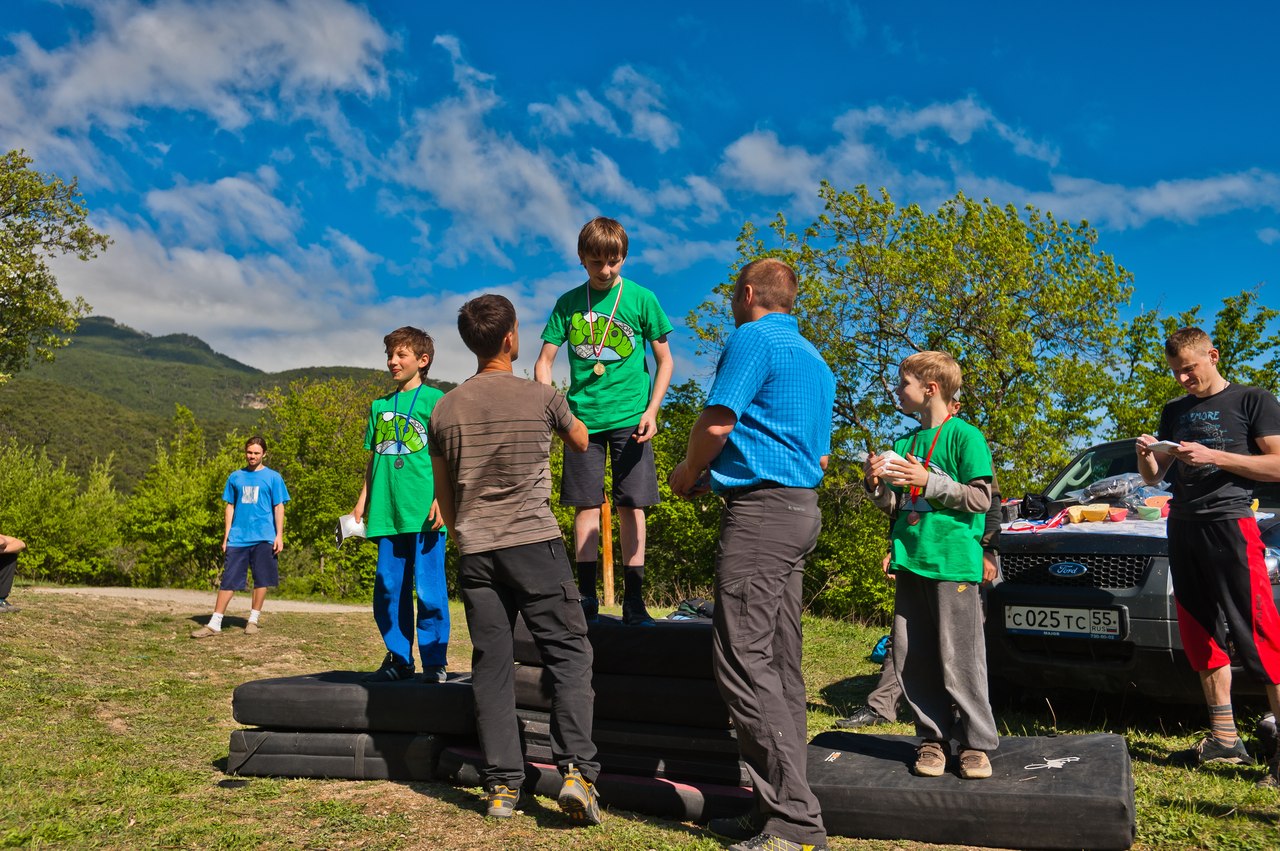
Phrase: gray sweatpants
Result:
[942,660]
[765,536]
[887,697]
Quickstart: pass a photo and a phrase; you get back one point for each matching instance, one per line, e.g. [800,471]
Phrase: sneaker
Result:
[591,608]
[931,759]
[1210,749]
[6,607]
[434,674]
[1271,780]
[864,717]
[501,801]
[205,632]
[252,628]
[974,765]
[578,798]
[635,614]
[390,671]
[744,826]
[769,842]
[1266,734]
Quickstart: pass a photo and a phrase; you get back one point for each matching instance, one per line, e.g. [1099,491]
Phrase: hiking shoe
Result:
[252,628]
[390,671]
[434,674]
[864,717]
[744,826]
[6,607]
[1209,750]
[501,801]
[931,759]
[205,632]
[578,798]
[591,608]
[1271,780]
[769,842]
[974,765]
[1267,737]
[635,614]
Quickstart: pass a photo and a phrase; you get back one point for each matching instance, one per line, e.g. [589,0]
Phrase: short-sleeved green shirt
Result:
[399,500]
[945,544]
[618,398]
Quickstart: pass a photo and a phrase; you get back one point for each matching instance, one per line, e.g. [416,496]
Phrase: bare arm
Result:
[575,436]
[10,544]
[1264,467]
[1152,466]
[362,500]
[661,381]
[444,503]
[706,441]
[278,545]
[229,514]
[542,367]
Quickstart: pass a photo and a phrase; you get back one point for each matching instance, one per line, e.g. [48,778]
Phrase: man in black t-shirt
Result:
[1227,437]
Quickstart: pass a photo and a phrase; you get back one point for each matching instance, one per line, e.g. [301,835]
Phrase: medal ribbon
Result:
[395,417]
[915,490]
[591,326]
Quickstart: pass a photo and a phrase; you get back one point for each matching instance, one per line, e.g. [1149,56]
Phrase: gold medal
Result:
[598,369]
[913,518]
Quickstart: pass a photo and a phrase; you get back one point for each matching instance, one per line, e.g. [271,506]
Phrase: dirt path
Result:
[199,601]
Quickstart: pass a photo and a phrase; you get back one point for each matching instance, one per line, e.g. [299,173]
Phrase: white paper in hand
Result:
[348,527]
[1165,446]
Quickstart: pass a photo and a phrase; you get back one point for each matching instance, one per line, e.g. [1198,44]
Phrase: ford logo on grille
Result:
[1068,569]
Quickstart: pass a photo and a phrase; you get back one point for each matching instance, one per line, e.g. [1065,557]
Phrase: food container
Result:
[1095,513]
[1115,515]
[1148,512]
[1158,501]
[1075,513]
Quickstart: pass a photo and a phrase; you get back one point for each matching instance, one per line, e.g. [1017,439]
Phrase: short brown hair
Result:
[256,440]
[772,281]
[1186,338]
[415,340]
[602,237]
[484,321]
[938,367]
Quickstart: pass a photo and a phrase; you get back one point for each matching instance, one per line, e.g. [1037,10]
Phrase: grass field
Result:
[116,728]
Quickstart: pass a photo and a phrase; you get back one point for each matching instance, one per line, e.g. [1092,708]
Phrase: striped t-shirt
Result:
[494,434]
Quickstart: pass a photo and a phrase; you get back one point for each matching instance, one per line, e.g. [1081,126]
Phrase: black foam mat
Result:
[661,738]
[683,801]
[657,700]
[350,756]
[1044,792]
[341,700]
[666,649]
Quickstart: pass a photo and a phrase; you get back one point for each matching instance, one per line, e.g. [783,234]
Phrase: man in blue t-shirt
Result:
[252,537]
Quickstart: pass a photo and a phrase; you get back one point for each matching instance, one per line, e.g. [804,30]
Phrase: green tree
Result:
[40,216]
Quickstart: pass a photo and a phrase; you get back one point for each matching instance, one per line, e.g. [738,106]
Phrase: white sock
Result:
[253,615]
[215,622]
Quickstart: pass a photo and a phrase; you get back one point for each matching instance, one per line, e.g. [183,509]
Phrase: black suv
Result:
[1095,610]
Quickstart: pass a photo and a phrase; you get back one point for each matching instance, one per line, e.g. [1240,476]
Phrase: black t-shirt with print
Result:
[1231,420]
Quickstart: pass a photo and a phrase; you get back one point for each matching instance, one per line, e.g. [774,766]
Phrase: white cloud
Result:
[694,191]
[1270,236]
[641,99]
[602,178]
[561,117]
[758,162]
[240,210]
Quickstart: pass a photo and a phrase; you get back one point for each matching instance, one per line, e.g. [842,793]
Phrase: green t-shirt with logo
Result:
[581,318]
[399,500]
[945,544]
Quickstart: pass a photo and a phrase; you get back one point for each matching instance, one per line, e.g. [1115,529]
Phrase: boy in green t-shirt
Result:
[398,506]
[606,322]
[936,488]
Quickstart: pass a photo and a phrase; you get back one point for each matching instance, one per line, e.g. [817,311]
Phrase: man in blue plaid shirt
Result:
[762,444]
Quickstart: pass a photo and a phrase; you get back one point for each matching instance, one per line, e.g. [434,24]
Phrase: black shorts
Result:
[635,478]
[260,557]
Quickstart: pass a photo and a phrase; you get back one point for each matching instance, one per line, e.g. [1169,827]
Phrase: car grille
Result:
[1105,571]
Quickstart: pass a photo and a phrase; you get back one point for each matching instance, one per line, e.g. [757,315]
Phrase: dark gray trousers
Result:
[536,580]
[887,697]
[765,536]
[942,660]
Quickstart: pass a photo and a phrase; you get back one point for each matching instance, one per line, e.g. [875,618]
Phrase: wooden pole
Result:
[606,545]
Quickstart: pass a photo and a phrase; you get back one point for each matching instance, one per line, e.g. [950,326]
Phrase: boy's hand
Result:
[224,546]
[688,483]
[647,428]
[436,518]
[884,566]
[277,545]
[989,570]
[908,472]
[871,471]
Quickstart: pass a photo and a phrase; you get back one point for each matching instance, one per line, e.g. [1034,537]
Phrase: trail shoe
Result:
[1209,750]
[1267,736]
[635,614]
[974,765]
[7,607]
[1271,780]
[434,674]
[863,717]
[252,628]
[501,801]
[931,759]
[769,842]
[591,608]
[205,632]
[390,671]
[578,798]
[744,826]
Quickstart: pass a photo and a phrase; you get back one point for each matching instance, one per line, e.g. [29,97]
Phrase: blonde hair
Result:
[602,237]
[938,367]
[1187,338]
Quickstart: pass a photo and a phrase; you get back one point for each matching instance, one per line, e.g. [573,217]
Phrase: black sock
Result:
[633,583]
[587,578]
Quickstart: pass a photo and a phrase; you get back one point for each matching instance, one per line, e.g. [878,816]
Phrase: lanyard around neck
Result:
[395,417]
[914,490]
[591,326]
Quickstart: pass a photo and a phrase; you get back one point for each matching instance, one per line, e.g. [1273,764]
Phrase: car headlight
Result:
[1272,558]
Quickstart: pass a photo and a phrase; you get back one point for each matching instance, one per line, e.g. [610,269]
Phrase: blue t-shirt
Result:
[255,496]
[783,394]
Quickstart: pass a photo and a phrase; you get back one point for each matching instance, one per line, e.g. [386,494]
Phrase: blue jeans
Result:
[408,562]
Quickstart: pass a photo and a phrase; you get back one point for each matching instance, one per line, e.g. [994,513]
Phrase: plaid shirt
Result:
[783,393]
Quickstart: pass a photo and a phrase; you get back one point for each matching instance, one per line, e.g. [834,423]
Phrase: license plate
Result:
[1072,623]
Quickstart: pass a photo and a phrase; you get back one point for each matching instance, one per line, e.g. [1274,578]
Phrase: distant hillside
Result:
[114,390]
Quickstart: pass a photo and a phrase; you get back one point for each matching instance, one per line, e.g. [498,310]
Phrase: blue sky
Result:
[290,180]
